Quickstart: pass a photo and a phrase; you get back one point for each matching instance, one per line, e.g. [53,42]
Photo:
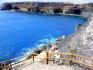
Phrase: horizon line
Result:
[49,2]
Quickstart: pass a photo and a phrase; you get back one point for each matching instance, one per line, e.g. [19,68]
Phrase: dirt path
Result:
[29,65]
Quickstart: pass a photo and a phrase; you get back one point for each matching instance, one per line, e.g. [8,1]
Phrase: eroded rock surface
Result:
[81,41]
[49,7]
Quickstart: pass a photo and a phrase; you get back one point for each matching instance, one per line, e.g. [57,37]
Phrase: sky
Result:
[75,1]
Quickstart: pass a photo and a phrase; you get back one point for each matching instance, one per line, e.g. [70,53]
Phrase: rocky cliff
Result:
[80,42]
[48,7]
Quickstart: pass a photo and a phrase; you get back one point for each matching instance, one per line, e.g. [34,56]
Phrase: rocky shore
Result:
[80,42]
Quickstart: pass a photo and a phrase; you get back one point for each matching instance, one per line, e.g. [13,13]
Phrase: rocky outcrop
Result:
[49,7]
[81,42]
[75,10]
[7,6]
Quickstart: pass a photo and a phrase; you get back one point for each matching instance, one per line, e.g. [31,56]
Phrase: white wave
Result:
[47,40]
[40,43]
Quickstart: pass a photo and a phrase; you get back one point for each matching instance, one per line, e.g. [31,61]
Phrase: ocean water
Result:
[21,32]
[0,6]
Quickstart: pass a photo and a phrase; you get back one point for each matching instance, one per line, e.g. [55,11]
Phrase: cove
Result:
[22,32]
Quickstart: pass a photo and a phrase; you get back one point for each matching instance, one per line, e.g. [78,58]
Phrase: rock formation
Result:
[49,7]
[7,6]
[81,41]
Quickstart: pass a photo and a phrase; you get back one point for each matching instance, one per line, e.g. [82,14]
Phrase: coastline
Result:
[48,46]
[44,48]
[79,42]
[63,37]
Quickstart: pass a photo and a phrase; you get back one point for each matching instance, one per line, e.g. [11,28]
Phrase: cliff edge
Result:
[49,7]
[80,42]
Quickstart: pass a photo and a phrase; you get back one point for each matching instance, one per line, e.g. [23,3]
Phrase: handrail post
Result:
[53,61]
[10,64]
[71,57]
[47,54]
[33,56]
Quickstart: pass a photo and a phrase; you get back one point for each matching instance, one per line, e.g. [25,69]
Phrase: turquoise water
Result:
[21,32]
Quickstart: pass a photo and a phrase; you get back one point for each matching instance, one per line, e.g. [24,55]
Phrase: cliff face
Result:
[39,4]
[48,7]
[80,42]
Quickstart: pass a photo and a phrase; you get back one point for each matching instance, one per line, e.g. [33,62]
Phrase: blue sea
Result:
[21,32]
[0,6]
